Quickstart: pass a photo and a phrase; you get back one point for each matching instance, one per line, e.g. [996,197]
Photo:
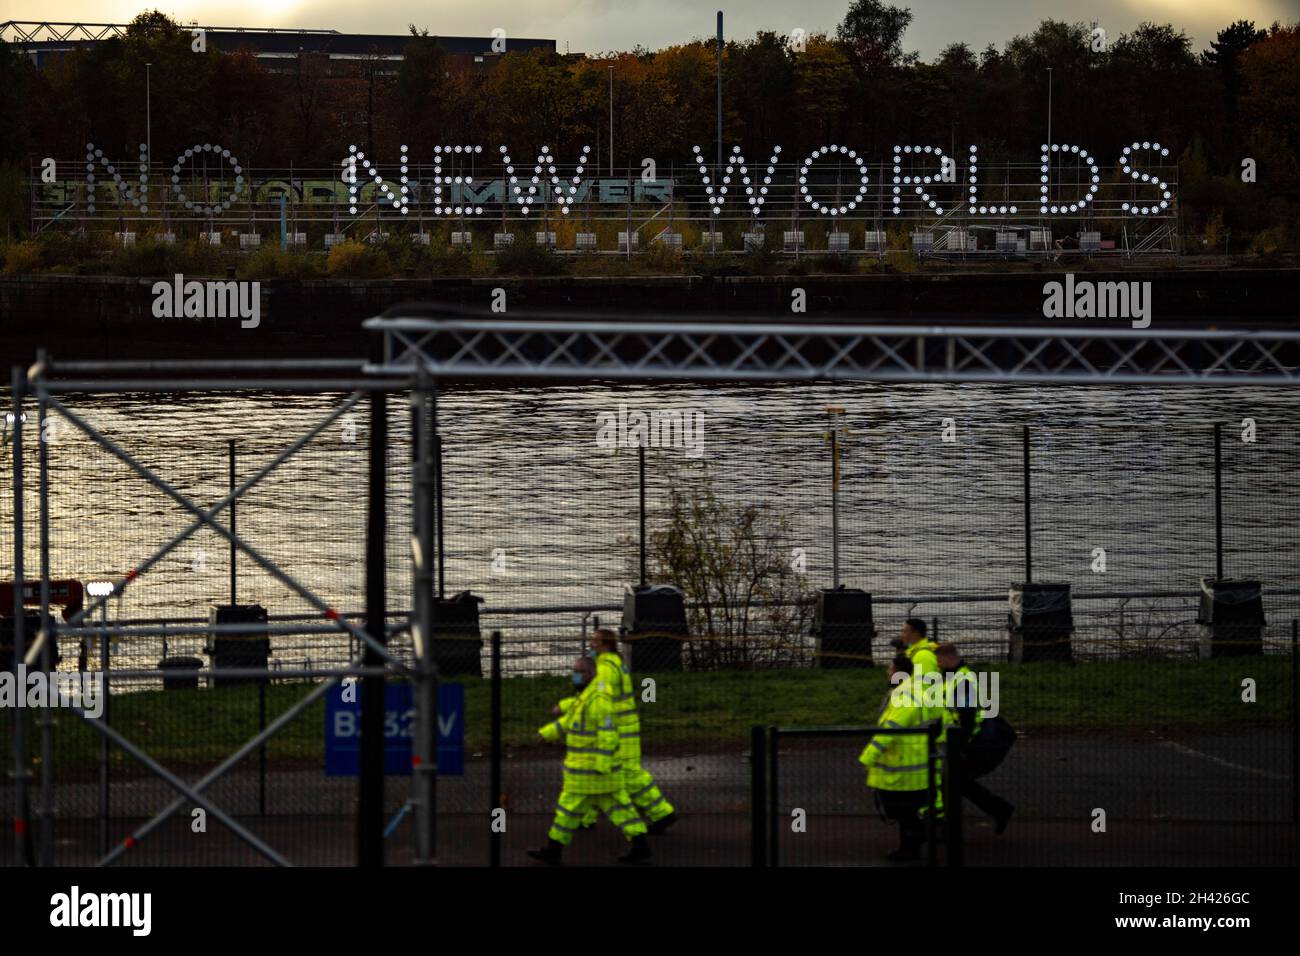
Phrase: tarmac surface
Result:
[1194,800]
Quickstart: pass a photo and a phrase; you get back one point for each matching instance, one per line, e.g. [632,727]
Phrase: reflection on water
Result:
[538,514]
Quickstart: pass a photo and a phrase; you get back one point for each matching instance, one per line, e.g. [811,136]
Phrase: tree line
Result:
[1236,100]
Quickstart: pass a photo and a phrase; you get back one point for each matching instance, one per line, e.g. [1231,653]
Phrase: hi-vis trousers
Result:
[572,808]
[640,786]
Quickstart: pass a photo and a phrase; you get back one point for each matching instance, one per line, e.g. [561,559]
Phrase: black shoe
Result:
[549,854]
[1002,819]
[639,852]
[660,826]
[903,855]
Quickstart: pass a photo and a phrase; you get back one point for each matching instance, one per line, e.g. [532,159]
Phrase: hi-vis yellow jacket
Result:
[898,761]
[609,668]
[591,740]
[963,694]
[921,654]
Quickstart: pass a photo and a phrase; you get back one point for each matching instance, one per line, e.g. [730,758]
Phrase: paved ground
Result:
[1195,800]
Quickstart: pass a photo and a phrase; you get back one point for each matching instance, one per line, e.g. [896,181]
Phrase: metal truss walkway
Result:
[447,344]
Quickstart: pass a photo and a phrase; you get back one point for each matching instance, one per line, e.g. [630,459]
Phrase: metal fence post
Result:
[438,501]
[835,495]
[234,528]
[105,651]
[1218,502]
[952,778]
[757,797]
[773,798]
[931,796]
[494,780]
[1295,720]
[261,751]
[1029,545]
[640,454]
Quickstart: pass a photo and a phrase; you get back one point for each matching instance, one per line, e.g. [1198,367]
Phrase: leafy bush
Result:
[836,264]
[147,257]
[524,257]
[417,257]
[751,607]
[761,260]
[661,257]
[270,262]
[456,262]
[905,262]
[1268,241]
[356,260]
[200,258]
[22,257]
[71,252]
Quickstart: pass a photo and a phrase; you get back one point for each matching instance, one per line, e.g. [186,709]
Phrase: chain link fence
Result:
[1188,753]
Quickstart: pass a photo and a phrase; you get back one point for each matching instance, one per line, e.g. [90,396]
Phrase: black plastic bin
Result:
[32,624]
[1040,623]
[182,673]
[1231,618]
[844,627]
[457,644]
[248,650]
[654,626]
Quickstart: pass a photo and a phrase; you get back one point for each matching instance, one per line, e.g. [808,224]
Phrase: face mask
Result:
[578,678]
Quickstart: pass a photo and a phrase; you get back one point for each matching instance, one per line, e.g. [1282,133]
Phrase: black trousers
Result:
[904,806]
[976,762]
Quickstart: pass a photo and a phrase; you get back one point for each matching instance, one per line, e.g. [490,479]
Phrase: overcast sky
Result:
[595,25]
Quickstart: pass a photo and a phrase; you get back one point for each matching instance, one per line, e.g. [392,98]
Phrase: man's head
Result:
[913,631]
[584,669]
[902,664]
[604,641]
[948,656]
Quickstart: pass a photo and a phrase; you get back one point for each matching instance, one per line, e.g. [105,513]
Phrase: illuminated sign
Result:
[924,173]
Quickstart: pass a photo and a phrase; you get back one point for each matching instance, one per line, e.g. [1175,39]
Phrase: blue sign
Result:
[343,730]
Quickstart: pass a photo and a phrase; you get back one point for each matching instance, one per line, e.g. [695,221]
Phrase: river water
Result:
[539,515]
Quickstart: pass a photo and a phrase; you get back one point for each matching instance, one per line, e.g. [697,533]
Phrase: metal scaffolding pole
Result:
[206,518]
[425,753]
[22,836]
[46,640]
[191,794]
[216,509]
[230,762]
[370,778]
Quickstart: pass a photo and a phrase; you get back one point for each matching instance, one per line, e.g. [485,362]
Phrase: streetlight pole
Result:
[1048,151]
[719,91]
[148,113]
[1049,107]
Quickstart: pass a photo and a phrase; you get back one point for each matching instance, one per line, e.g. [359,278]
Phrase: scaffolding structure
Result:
[416,349]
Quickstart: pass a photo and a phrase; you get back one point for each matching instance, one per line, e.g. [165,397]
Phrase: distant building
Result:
[278,51]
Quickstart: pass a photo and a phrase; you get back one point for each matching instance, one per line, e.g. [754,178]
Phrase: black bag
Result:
[990,746]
